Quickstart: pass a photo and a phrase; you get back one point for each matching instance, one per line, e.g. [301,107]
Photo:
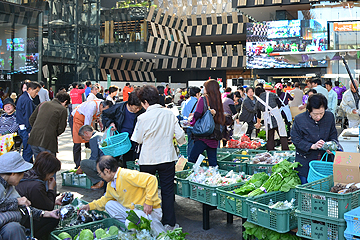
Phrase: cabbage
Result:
[86,234]
[105,236]
[64,235]
[113,230]
[99,233]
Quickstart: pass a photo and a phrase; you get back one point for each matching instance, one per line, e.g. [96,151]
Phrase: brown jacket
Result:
[48,121]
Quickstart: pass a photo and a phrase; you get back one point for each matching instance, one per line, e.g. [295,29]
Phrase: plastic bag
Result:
[240,128]
[156,225]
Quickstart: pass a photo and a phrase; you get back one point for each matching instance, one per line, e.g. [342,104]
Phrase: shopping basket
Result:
[117,145]
[320,169]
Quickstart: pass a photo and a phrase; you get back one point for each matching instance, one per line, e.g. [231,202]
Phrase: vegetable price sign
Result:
[346,167]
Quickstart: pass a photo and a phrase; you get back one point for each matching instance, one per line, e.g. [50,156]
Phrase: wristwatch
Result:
[42,213]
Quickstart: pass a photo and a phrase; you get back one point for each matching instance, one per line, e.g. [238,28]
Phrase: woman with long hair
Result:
[212,99]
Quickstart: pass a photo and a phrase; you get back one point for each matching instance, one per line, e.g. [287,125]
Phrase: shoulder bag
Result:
[205,125]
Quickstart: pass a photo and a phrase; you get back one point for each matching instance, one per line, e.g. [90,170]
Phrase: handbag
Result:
[205,125]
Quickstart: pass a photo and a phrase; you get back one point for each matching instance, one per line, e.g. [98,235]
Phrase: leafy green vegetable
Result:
[64,235]
[136,222]
[262,135]
[255,182]
[292,147]
[86,234]
[283,178]
[261,233]
[104,144]
[176,234]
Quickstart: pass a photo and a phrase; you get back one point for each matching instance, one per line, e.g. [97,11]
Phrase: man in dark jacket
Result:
[48,121]
[123,116]
[88,166]
[311,129]
[24,108]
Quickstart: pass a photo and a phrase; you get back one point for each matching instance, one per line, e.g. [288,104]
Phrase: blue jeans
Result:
[303,180]
[27,152]
[190,141]
[199,147]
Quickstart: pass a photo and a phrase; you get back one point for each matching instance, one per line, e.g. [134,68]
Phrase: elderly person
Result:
[297,95]
[12,168]
[350,105]
[332,100]
[8,119]
[177,96]
[124,189]
[92,95]
[311,129]
[155,130]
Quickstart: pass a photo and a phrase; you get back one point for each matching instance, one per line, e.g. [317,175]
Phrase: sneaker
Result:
[168,227]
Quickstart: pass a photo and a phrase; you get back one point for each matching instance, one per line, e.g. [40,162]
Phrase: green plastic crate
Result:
[315,198]
[182,186]
[253,151]
[319,228]
[232,203]
[204,193]
[228,150]
[253,168]
[228,163]
[132,165]
[76,201]
[106,223]
[183,150]
[71,179]
[279,220]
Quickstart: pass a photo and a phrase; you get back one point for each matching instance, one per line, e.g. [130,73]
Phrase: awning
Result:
[328,55]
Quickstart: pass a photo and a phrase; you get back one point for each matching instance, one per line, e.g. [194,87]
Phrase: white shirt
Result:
[110,99]
[43,95]
[155,130]
[88,109]
[91,96]
[322,90]
[113,183]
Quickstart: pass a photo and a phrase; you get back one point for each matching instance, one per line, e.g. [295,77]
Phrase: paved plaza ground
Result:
[188,212]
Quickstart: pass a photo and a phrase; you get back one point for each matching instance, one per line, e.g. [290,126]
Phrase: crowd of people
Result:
[151,117]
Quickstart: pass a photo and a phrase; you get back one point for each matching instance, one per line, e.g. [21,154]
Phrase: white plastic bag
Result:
[156,225]
[240,128]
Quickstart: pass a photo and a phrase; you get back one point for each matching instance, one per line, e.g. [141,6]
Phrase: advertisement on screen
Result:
[284,36]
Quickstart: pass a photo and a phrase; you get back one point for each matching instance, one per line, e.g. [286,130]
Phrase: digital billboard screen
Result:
[284,36]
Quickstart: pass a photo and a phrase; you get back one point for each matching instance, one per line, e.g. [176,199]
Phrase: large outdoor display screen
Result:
[284,36]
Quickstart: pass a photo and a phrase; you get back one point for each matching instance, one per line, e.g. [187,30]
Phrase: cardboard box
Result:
[346,167]
[296,111]
[180,164]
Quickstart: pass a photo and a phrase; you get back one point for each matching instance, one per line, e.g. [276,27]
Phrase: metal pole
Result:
[350,75]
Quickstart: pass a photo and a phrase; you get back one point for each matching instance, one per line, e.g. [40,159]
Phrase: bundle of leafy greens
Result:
[283,178]
[255,182]
[252,230]
[176,234]
[136,222]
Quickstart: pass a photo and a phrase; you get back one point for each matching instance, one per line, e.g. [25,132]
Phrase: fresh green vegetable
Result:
[283,178]
[72,170]
[292,147]
[104,144]
[136,222]
[176,234]
[261,233]
[64,235]
[113,230]
[262,135]
[255,182]
[105,236]
[86,234]
[99,233]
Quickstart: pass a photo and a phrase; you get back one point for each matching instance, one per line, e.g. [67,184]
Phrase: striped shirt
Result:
[8,123]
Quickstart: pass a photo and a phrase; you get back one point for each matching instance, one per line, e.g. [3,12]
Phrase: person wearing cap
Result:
[12,168]
[8,119]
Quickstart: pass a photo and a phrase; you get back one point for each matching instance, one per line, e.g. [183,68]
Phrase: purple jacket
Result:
[339,91]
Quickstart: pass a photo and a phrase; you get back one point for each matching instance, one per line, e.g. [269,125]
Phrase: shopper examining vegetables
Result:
[311,129]
[125,189]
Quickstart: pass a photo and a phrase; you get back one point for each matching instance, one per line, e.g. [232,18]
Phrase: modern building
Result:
[171,41]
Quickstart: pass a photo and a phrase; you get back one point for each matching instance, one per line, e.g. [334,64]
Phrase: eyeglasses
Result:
[317,114]
[99,174]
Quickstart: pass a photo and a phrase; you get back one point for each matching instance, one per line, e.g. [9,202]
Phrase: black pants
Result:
[77,154]
[250,129]
[42,227]
[128,157]
[166,173]
[270,145]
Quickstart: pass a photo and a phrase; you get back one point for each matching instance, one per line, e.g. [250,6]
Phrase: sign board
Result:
[108,80]
[346,167]
[346,26]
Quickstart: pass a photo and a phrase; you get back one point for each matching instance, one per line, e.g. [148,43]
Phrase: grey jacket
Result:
[247,110]
[8,199]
